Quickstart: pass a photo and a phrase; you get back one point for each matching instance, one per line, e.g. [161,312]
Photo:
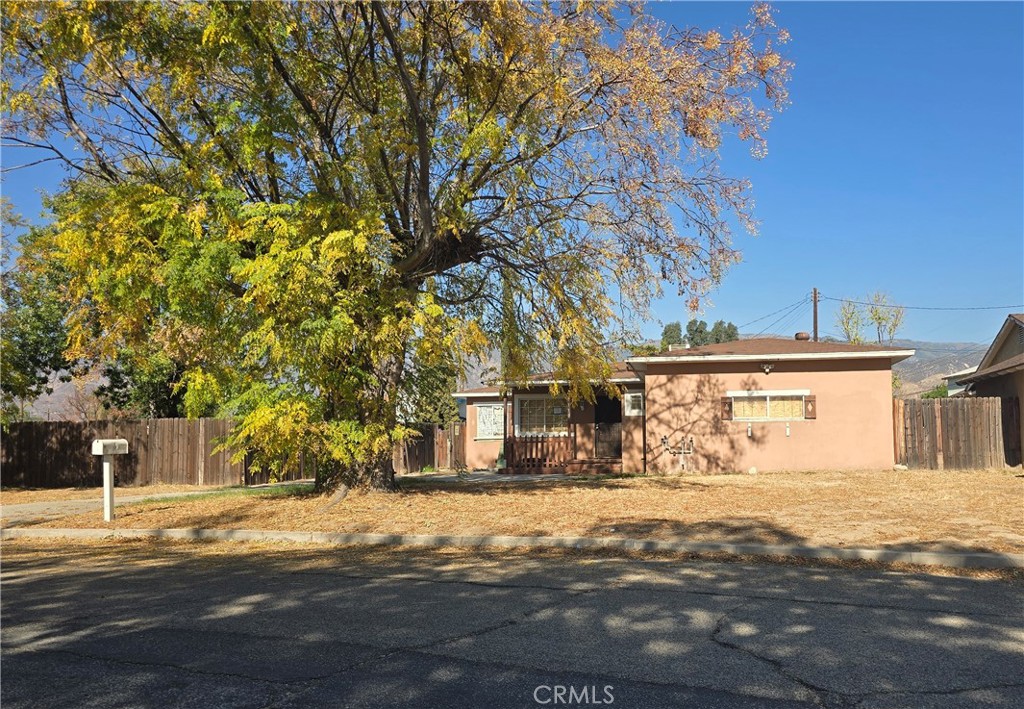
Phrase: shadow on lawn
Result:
[513,484]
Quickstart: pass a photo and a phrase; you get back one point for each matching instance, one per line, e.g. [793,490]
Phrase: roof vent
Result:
[803,336]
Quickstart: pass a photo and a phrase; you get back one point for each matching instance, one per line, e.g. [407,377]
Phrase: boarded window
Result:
[490,422]
[750,407]
[769,406]
[786,407]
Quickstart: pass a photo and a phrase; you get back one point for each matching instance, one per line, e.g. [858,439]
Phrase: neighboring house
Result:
[772,404]
[1001,371]
[953,388]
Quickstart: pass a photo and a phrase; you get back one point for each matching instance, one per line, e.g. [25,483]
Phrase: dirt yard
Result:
[949,510]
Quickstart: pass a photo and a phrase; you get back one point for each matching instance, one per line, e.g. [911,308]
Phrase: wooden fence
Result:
[957,433]
[160,451]
[436,447]
[174,452]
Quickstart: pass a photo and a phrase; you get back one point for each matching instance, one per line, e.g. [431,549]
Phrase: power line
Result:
[783,326]
[765,317]
[787,315]
[915,307]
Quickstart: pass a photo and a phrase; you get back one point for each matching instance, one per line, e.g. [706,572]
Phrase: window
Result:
[784,405]
[541,416]
[490,421]
[634,401]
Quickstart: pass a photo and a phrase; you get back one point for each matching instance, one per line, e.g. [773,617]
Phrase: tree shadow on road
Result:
[333,624]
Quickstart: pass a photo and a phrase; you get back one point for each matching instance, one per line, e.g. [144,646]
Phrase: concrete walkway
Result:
[29,512]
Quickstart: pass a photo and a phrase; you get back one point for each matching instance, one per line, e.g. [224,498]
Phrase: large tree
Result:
[301,201]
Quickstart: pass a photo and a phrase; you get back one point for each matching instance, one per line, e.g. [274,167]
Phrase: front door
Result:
[607,428]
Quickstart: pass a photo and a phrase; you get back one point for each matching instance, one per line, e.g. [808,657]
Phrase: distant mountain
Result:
[73,400]
[934,360]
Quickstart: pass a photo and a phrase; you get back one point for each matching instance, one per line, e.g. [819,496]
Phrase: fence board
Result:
[957,433]
[167,451]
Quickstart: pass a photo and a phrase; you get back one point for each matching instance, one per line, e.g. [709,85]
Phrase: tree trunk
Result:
[376,471]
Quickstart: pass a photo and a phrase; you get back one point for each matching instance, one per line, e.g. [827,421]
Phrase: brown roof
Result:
[620,370]
[1011,364]
[987,368]
[479,390]
[766,346]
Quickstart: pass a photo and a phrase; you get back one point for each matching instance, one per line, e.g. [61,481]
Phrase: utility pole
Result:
[814,299]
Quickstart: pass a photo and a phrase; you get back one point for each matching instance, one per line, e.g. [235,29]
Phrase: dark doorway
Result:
[607,427]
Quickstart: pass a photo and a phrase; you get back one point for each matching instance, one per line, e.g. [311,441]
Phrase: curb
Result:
[975,560]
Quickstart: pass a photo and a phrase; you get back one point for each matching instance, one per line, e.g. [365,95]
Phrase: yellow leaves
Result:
[712,40]
[202,392]
[767,62]
[195,216]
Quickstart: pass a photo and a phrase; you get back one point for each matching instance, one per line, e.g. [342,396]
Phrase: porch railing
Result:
[540,453]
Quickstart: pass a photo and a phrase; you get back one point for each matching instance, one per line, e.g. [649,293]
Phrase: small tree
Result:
[853,316]
[724,332]
[672,334]
[939,392]
[886,318]
[850,321]
[697,333]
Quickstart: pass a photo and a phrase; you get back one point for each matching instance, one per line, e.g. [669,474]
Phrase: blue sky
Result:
[898,167]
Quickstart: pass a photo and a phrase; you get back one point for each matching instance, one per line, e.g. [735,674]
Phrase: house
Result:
[1001,371]
[953,388]
[770,404]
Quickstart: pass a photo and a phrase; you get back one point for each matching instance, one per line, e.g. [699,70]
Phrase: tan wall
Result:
[582,418]
[1005,386]
[479,453]
[853,428]
[632,444]
[1011,348]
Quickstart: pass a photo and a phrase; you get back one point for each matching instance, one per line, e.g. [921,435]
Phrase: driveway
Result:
[238,626]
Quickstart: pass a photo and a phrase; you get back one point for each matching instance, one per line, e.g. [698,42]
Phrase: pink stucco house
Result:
[770,404]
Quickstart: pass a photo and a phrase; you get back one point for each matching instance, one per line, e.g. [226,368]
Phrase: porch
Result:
[548,437]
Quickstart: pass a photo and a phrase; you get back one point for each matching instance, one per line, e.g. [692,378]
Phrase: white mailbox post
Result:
[108,448]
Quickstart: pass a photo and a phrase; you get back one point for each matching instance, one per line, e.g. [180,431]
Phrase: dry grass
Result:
[20,496]
[117,554]
[979,510]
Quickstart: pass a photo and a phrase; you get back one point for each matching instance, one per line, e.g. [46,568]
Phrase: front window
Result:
[542,417]
[767,406]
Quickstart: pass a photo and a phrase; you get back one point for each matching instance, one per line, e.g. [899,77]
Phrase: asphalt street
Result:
[342,628]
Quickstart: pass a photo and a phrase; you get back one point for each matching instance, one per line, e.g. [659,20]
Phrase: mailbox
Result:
[110,446]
